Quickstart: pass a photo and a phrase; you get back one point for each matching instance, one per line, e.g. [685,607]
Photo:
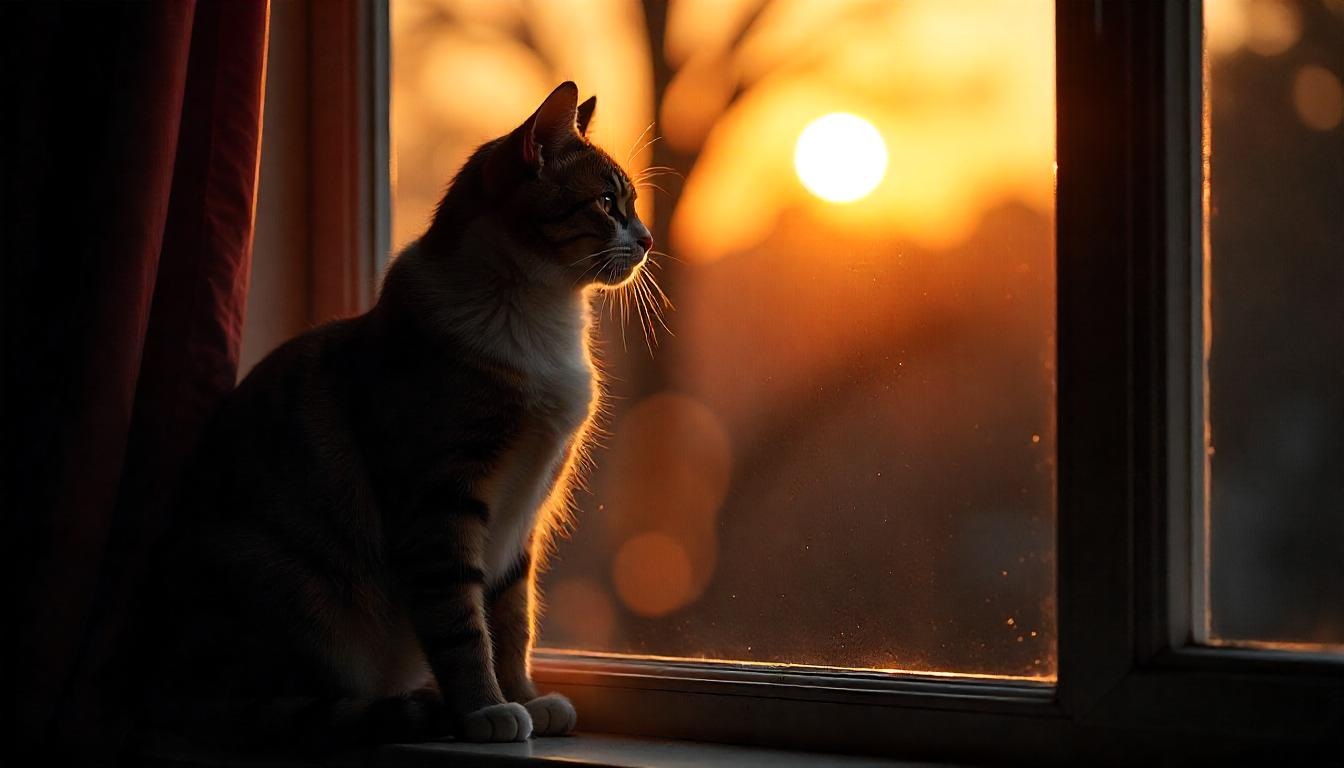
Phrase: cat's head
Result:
[568,203]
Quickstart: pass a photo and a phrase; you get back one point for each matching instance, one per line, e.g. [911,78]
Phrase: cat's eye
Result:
[607,202]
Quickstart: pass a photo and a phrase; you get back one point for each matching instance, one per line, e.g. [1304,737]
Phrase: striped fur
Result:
[364,521]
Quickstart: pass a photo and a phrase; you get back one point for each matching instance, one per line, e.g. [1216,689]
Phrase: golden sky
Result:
[962,92]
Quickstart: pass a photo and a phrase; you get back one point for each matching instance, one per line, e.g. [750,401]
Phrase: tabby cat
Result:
[367,511]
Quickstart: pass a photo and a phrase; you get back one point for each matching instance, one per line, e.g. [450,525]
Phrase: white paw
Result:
[497,722]
[552,715]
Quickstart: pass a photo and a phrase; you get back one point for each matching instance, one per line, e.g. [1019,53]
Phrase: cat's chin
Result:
[617,274]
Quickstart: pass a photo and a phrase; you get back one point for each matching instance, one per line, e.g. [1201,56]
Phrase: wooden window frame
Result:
[349,149]
[1133,685]
[325,171]
[323,230]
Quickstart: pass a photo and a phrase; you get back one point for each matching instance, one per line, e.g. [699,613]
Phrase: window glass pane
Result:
[1274,311]
[841,449]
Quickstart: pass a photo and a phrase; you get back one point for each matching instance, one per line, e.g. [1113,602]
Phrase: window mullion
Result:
[1105,214]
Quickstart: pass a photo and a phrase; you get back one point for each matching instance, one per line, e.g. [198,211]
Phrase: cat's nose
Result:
[645,241]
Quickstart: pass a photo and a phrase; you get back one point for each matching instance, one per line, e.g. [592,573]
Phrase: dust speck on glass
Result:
[843,452]
[1274,324]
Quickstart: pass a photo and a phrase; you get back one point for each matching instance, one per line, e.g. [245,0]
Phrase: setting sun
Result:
[840,157]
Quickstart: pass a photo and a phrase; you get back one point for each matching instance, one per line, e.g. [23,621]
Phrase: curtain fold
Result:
[130,183]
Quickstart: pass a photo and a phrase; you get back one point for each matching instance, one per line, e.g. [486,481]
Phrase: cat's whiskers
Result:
[647,180]
[650,315]
[629,158]
[645,146]
[667,302]
[649,285]
[639,309]
[625,315]
[645,296]
[654,171]
[594,267]
[643,184]
[606,304]
[595,254]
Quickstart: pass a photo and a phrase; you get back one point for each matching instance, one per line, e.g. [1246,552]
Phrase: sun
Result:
[840,157]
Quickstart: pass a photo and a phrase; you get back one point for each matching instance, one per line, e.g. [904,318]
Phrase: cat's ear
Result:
[585,114]
[544,134]
[552,125]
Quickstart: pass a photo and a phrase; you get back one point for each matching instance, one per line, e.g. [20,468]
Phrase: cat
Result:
[366,514]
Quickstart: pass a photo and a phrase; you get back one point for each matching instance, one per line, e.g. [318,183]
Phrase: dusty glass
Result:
[1274,324]
[839,448]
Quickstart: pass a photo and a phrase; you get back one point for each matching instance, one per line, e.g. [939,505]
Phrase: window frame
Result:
[1132,682]
[349,145]
[326,169]
[323,210]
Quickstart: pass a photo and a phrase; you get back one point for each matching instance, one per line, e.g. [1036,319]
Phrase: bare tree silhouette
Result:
[675,162]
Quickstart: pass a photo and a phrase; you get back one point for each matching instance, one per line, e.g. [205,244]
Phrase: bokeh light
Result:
[1318,98]
[672,461]
[1272,26]
[652,574]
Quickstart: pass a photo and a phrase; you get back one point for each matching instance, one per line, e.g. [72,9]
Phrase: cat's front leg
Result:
[439,559]
[511,615]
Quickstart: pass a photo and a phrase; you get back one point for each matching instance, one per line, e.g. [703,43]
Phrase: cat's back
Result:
[286,418]
[264,484]
[314,363]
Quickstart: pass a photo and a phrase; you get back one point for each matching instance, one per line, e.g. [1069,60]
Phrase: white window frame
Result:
[1133,685]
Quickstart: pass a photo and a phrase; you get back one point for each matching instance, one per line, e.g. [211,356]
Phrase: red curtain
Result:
[130,181]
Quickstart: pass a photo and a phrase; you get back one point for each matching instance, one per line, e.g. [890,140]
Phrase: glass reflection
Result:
[1275,324]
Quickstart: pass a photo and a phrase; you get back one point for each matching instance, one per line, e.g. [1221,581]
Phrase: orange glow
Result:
[964,66]
[1273,26]
[1267,27]
[919,672]
[1279,645]
[695,100]
[1318,98]
[1200,608]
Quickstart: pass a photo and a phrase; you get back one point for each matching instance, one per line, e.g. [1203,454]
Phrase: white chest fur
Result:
[546,344]
[538,329]
[524,482]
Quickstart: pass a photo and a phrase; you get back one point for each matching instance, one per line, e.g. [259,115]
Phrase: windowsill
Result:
[606,750]
[594,750]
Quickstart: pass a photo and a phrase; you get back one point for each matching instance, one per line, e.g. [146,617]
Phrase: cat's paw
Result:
[552,715]
[497,722]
